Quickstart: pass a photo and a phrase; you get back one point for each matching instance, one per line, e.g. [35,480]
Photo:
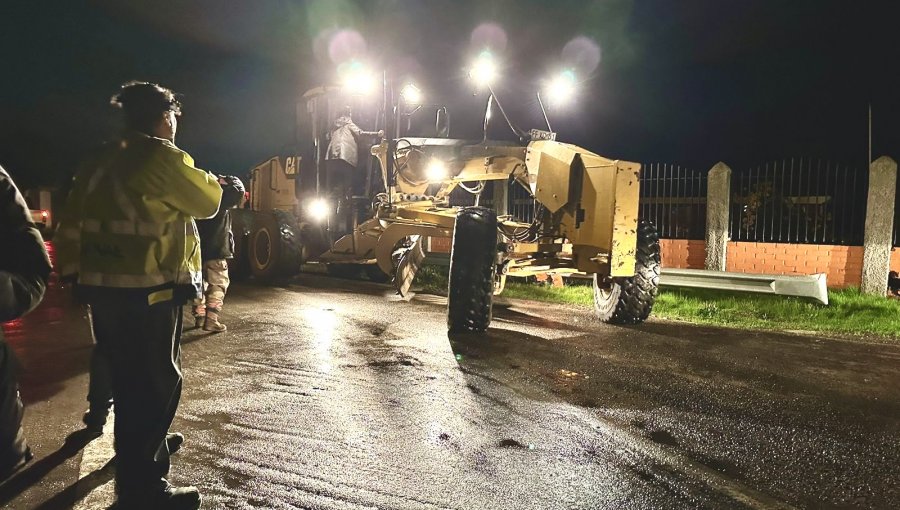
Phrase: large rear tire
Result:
[274,248]
[630,300]
[472,269]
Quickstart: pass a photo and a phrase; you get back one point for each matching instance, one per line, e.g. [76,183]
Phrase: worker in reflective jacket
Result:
[128,239]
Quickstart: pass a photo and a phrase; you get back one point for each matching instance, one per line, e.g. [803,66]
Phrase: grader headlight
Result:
[318,209]
[436,170]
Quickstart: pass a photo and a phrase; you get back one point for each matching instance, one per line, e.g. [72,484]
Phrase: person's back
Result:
[129,240]
[137,200]
[343,142]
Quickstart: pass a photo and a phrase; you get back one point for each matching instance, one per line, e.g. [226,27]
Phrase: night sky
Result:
[688,82]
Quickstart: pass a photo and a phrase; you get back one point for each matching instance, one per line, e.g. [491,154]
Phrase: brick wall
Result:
[841,264]
[682,253]
[895,259]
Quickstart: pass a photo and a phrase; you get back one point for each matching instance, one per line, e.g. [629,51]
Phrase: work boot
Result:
[199,313]
[168,497]
[212,321]
[174,441]
[94,419]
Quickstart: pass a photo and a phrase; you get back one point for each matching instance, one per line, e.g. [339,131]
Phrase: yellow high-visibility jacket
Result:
[129,220]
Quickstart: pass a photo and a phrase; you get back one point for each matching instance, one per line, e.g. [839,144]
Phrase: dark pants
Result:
[143,347]
[345,181]
[100,397]
[12,439]
[340,177]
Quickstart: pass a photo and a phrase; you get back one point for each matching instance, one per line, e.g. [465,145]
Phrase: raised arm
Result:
[176,181]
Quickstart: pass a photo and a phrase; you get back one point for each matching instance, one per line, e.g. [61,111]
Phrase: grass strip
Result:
[848,311]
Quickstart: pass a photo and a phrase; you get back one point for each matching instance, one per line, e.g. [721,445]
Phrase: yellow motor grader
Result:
[585,219]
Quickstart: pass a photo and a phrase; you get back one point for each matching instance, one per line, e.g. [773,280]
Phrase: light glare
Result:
[484,70]
[318,209]
[411,94]
[357,79]
[561,88]
[436,170]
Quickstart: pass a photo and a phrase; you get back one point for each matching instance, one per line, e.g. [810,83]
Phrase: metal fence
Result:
[674,199]
[520,203]
[799,201]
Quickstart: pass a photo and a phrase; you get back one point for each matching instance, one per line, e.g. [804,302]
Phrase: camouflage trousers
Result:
[215,285]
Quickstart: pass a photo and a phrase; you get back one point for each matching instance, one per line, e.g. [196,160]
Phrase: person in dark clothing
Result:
[343,151]
[342,178]
[24,269]
[128,240]
[216,246]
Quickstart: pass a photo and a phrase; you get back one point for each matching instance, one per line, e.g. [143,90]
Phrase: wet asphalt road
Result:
[332,394]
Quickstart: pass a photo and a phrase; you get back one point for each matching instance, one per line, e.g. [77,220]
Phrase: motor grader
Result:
[585,220]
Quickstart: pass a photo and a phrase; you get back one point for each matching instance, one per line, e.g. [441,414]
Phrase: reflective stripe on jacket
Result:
[129,220]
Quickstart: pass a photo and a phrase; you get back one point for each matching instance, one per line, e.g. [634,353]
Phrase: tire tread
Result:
[472,267]
[631,299]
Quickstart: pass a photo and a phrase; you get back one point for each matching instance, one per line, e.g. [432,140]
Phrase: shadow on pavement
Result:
[78,490]
[34,473]
[509,315]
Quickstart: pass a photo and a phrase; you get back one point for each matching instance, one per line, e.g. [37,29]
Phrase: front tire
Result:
[630,300]
[274,249]
[472,269]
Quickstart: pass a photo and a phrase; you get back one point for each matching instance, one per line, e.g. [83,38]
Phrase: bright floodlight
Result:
[411,94]
[561,88]
[484,70]
[356,79]
[436,170]
[318,209]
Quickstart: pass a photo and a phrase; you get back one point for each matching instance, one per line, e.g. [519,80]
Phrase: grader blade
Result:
[410,260]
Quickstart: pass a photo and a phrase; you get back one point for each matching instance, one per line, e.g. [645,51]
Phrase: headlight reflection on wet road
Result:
[323,322]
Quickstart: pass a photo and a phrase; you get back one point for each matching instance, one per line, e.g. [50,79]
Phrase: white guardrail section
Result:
[812,286]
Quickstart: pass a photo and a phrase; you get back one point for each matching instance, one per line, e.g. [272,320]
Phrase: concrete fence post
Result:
[879,226]
[718,203]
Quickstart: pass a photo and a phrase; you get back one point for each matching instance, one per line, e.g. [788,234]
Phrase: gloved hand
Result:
[232,191]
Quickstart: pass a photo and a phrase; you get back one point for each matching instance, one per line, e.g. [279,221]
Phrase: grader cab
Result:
[585,221]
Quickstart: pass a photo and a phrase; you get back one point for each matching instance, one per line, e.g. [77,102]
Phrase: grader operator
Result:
[585,221]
